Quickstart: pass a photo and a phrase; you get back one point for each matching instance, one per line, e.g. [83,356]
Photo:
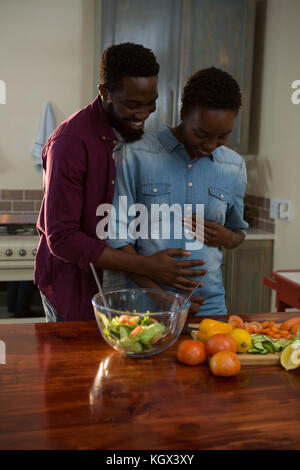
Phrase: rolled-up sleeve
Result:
[63,203]
[235,215]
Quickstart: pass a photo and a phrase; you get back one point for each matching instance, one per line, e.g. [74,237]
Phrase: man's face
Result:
[203,130]
[130,106]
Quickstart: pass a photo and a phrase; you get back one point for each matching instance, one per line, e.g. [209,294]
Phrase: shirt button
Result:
[222,196]
[103,137]
[190,184]
[190,165]
[155,190]
[189,208]
[115,142]
[112,181]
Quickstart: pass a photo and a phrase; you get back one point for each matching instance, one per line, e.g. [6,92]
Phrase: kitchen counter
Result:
[256,234]
[63,387]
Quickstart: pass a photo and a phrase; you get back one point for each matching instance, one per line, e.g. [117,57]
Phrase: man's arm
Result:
[147,283]
[64,195]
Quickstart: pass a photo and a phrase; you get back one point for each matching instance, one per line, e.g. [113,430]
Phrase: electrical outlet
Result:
[280,209]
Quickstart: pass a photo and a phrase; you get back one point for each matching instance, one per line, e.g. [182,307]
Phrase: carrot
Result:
[272,323]
[284,332]
[276,335]
[156,338]
[136,331]
[287,325]
[275,329]
[295,328]
[265,324]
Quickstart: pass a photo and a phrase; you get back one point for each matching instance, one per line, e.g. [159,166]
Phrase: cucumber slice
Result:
[129,346]
[123,332]
[253,351]
[268,346]
[151,331]
[258,345]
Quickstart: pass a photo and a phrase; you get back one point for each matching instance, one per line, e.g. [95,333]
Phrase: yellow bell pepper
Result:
[209,327]
[207,324]
[223,328]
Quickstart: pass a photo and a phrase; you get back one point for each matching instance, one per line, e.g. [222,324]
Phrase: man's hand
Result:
[163,268]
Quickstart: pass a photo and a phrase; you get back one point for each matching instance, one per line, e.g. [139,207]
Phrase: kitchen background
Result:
[49,52]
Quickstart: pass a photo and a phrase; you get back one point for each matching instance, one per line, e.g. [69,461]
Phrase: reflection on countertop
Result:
[256,234]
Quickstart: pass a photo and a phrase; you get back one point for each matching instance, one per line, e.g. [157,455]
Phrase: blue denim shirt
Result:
[156,170]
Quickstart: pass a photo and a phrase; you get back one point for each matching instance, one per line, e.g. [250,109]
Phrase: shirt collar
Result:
[104,129]
[169,141]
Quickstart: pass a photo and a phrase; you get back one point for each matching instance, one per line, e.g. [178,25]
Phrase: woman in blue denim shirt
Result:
[188,165]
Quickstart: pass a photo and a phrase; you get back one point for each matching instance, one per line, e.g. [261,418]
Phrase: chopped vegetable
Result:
[263,344]
[133,334]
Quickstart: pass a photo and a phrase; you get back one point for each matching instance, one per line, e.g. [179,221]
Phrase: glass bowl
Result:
[140,322]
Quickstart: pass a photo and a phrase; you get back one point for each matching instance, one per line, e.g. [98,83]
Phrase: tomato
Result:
[225,364]
[191,352]
[220,342]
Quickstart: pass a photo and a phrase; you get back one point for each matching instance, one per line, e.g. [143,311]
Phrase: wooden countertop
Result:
[63,387]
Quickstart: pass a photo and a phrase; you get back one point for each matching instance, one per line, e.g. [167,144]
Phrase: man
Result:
[79,174]
[189,165]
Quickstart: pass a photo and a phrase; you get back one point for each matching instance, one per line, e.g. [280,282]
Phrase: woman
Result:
[188,165]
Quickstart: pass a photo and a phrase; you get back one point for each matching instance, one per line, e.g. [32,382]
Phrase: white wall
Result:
[46,54]
[275,168]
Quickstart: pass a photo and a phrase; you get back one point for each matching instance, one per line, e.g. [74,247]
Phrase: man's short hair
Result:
[126,60]
[211,88]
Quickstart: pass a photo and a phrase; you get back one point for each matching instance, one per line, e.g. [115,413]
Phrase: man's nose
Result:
[211,145]
[141,115]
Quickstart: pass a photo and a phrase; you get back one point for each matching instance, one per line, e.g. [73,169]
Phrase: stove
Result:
[18,245]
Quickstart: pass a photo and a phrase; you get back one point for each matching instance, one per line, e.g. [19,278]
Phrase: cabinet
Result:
[185,35]
[243,271]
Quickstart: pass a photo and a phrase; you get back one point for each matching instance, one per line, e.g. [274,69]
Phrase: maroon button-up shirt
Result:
[79,175]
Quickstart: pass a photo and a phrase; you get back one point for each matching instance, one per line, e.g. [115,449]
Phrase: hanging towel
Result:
[47,126]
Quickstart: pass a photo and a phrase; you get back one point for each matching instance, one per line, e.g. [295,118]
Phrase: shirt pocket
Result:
[218,203]
[155,193]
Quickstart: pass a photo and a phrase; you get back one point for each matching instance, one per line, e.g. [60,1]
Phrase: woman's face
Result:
[203,130]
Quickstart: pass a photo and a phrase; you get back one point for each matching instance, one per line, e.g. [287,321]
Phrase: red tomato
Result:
[220,342]
[225,364]
[191,352]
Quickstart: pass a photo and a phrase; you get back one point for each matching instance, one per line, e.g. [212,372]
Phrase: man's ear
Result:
[104,93]
[181,112]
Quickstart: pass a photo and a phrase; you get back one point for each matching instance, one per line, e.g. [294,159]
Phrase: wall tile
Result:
[23,206]
[12,194]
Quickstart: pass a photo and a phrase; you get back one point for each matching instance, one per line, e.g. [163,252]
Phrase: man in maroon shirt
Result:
[79,175]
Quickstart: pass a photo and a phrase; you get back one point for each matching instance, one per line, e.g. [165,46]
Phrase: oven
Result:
[19,297]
